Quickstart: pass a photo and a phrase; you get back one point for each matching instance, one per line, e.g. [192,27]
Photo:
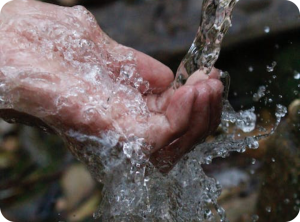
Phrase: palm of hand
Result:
[57,65]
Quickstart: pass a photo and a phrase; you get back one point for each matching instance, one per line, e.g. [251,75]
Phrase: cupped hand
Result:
[58,66]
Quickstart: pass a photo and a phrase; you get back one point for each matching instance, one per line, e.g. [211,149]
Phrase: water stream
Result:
[133,189]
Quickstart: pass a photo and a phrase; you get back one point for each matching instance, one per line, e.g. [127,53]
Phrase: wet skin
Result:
[33,76]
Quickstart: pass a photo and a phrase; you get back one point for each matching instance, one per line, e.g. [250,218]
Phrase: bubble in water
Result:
[253,161]
[267,29]
[251,69]
[268,209]
[271,68]
[273,160]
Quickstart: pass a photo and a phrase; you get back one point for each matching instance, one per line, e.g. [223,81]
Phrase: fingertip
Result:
[197,77]
[216,85]
[214,73]
[200,75]
[180,108]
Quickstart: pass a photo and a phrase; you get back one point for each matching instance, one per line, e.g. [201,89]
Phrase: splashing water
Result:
[133,189]
[271,68]
[204,52]
[261,92]
[139,192]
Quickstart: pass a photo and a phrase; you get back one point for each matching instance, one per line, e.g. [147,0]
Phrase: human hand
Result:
[58,66]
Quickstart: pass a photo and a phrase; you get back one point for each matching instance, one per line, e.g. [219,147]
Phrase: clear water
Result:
[133,190]
[205,49]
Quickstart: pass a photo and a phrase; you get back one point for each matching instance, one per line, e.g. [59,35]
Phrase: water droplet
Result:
[252,143]
[246,121]
[242,150]
[251,69]
[273,160]
[271,68]
[259,94]
[281,111]
[253,161]
[296,75]
[287,201]
[267,29]
[268,209]
[208,160]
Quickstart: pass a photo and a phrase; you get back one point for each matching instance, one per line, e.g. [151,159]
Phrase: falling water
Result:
[205,49]
[133,189]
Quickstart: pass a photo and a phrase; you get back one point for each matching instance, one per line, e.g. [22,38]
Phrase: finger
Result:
[159,102]
[196,77]
[200,75]
[214,74]
[200,118]
[206,112]
[215,103]
[166,128]
[205,117]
